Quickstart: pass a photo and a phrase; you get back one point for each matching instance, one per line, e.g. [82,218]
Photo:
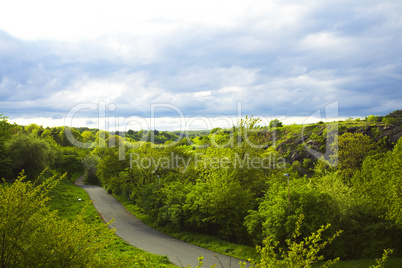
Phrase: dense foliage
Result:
[31,235]
[230,183]
[300,252]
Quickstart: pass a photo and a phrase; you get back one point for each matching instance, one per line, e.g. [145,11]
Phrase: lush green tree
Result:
[68,159]
[148,162]
[380,179]
[150,172]
[67,135]
[29,153]
[221,138]
[46,134]
[101,137]
[115,141]
[373,118]
[250,162]
[88,136]
[275,123]
[33,236]
[33,129]
[218,207]
[353,148]
[90,163]
[5,161]
[173,196]
[247,136]
[278,212]
[16,128]
[5,127]
[366,233]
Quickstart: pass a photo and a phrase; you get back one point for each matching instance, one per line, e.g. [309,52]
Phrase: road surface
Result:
[136,233]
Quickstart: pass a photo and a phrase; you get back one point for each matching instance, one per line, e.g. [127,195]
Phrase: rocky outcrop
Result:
[294,146]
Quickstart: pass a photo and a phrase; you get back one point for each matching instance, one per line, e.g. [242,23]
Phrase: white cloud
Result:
[76,20]
[274,57]
[328,42]
[202,94]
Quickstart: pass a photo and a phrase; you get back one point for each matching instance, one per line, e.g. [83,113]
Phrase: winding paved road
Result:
[136,233]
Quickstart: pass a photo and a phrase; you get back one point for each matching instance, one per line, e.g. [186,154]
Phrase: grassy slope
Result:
[65,201]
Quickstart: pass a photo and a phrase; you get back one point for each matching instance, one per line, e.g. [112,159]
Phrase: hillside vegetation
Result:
[231,183]
[44,225]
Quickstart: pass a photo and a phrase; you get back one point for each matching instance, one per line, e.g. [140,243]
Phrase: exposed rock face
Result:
[295,147]
[389,135]
[292,144]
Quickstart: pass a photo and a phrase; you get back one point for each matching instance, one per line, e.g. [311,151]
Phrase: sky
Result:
[197,64]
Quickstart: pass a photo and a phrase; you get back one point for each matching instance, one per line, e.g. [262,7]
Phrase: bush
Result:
[380,178]
[366,232]
[172,213]
[275,123]
[297,254]
[218,207]
[276,217]
[373,118]
[33,236]
[30,154]
[353,148]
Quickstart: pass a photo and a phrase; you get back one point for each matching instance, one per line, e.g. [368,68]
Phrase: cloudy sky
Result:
[69,62]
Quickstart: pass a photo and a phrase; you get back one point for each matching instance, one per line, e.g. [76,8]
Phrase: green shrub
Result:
[275,123]
[366,232]
[33,236]
[353,148]
[30,154]
[380,178]
[276,216]
[389,120]
[218,207]
[373,118]
[299,252]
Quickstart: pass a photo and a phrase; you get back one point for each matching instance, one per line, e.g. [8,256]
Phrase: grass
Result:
[64,200]
[212,243]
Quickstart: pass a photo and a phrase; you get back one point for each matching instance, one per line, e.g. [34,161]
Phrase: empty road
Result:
[136,233]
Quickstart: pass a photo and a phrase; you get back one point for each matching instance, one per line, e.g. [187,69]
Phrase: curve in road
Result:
[138,234]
